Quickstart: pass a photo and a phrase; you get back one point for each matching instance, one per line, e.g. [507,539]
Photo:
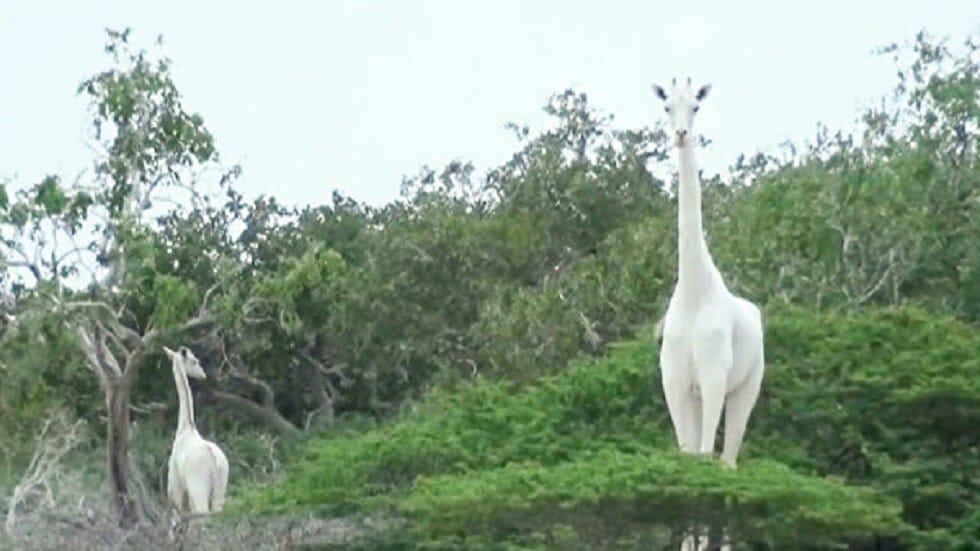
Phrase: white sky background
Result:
[311,96]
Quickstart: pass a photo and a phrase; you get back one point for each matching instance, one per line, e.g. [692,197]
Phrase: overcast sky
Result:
[311,96]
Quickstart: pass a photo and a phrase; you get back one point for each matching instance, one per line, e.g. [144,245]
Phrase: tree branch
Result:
[256,399]
[265,414]
[89,348]
[337,370]
[35,271]
[324,391]
[267,395]
[107,362]
[207,297]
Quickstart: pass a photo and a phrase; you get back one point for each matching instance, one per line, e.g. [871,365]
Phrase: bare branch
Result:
[324,409]
[335,370]
[202,321]
[588,328]
[125,334]
[81,261]
[378,405]
[881,280]
[75,250]
[107,361]
[89,349]
[323,389]
[111,336]
[207,297]
[57,437]
[32,267]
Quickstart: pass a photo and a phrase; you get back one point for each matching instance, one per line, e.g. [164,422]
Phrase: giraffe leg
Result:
[683,406]
[685,413]
[738,408]
[712,363]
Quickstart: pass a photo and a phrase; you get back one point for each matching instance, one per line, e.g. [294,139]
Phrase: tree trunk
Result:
[325,395]
[117,450]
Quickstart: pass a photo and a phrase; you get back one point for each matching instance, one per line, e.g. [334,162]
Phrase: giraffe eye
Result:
[696,107]
[667,109]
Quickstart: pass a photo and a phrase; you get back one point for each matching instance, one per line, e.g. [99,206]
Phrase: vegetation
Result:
[474,362]
[844,445]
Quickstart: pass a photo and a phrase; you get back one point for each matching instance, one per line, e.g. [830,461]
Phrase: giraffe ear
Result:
[659,92]
[170,353]
[703,92]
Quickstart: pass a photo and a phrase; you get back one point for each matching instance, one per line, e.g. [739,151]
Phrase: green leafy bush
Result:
[650,494]
[885,400]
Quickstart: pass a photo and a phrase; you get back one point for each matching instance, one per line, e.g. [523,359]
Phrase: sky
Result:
[313,96]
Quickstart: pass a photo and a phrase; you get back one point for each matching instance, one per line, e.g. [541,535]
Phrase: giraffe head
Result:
[187,361]
[681,105]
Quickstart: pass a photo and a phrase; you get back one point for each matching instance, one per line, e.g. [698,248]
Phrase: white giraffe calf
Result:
[198,469]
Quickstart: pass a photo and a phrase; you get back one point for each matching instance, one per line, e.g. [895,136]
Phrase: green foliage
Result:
[174,299]
[343,311]
[491,451]
[890,399]
[484,426]
[889,217]
[138,111]
[38,362]
[627,496]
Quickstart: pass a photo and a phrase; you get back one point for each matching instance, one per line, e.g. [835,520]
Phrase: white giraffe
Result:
[198,468]
[711,354]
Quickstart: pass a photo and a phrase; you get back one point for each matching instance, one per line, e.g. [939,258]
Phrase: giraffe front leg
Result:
[737,411]
[712,403]
[684,408]
[712,364]
[175,486]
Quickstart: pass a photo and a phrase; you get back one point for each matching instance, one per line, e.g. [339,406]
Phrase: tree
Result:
[150,145]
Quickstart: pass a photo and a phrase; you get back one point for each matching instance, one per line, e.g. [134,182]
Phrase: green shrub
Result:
[482,426]
[886,400]
[652,492]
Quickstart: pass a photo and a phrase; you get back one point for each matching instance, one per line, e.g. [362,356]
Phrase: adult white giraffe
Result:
[711,354]
[197,467]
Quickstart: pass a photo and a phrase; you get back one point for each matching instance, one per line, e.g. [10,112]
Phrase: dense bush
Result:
[895,416]
[644,499]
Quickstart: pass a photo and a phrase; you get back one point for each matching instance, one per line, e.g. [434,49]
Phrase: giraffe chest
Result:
[696,314]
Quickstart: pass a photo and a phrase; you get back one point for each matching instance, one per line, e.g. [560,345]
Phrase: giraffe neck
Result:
[694,266]
[185,416]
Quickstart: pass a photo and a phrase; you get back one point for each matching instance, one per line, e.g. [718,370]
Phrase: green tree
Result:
[151,146]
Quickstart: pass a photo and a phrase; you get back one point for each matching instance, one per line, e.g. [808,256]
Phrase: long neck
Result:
[185,417]
[694,262]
